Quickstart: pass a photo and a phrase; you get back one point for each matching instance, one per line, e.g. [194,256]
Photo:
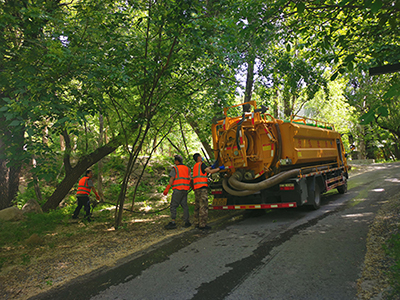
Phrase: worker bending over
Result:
[85,185]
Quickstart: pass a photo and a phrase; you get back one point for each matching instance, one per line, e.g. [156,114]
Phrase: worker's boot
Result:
[170,225]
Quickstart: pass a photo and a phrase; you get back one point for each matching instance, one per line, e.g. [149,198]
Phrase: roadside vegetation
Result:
[22,242]
[381,273]
[151,207]
[393,250]
[48,249]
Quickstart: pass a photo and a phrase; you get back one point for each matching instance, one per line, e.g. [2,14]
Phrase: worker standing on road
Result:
[200,186]
[85,185]
[180,181]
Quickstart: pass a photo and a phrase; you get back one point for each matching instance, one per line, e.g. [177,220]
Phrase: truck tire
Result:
[342,188]
[316,203]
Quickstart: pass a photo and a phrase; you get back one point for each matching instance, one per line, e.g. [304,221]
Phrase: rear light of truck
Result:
[253,206]
[216,192]
[286,187]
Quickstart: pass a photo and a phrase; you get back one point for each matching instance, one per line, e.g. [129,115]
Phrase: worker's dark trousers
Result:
[82,201]
[179,198]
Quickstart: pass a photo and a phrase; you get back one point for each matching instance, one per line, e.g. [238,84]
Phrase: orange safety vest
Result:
[182,178]
[83,187]
[199,178]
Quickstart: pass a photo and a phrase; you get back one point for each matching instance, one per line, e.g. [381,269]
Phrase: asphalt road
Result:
[282,254]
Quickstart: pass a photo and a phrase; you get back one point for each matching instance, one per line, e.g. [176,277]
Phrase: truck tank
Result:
[259,151]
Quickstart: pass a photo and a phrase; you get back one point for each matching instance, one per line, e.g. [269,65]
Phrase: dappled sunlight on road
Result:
[357,215]
[395,180]
[378,190]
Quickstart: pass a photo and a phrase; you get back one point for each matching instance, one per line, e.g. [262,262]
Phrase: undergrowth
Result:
[392,249]
[57,229]
[15,232]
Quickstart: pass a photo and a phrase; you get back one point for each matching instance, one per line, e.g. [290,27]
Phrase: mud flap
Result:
[314,192]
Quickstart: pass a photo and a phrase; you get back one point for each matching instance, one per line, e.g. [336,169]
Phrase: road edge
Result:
[374,282]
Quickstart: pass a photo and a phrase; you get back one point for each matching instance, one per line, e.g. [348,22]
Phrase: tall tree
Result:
[22,43]
[375,102]
[136,64]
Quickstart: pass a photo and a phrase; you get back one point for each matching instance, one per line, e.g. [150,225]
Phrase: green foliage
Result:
[163,180]
[114,164]
[359,31]
[22,198]
[112,191]
[332,109]
[29,193]
[293,79]
[367,97]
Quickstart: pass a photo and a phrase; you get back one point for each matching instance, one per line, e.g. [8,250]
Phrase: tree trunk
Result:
[286,107]
[183,137]
[198,132]
[353,153]
[362,150]
[4,203]
[13,182]
[36,186]
[100,164]
[176,147]
[119,209]
[249,79]
[36,182]
[155,143]
[73,174]
[396,151]
[86,138]
[275,113]
[121,198]
[153,150]
[9,183]
[9,176]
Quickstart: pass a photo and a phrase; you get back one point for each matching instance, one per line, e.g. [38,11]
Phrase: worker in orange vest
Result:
[200,187]
[85,185]
[179,180]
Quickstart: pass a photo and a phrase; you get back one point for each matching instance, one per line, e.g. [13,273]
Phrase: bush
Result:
[29,193]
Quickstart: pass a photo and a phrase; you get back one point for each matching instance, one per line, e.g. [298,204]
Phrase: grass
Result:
[56,229]
[13,233]
[392,249]
[66,247]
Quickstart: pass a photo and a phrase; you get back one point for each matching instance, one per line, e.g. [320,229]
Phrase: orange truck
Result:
[271,163]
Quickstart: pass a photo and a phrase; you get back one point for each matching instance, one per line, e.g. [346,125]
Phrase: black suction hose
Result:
[239,126]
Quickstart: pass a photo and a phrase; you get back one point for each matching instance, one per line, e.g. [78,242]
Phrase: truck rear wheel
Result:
[342,188]
[317,198]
